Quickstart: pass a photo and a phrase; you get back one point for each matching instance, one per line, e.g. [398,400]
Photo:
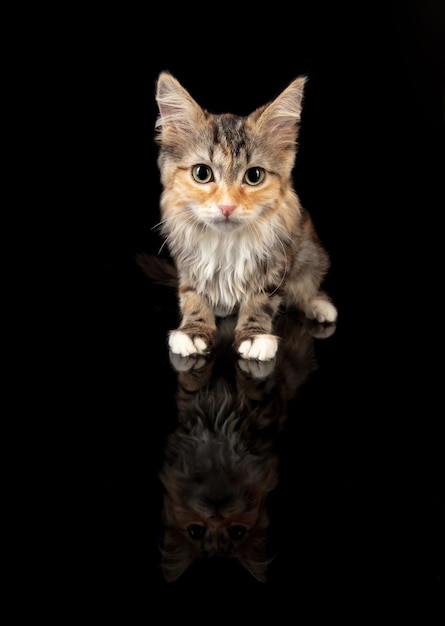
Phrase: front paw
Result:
[183,344]
[258,370]
[259,347]
[322,311]
[193,363]
[320,331]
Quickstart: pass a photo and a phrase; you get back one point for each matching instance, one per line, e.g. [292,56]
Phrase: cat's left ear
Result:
[290,101]
[177,555]
[281,117]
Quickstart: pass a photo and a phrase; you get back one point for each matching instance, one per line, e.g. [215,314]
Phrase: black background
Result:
[360,502]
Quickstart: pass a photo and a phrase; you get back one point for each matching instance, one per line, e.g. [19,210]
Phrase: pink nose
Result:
[227,209]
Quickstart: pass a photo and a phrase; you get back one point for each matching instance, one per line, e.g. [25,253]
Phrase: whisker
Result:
[286,266]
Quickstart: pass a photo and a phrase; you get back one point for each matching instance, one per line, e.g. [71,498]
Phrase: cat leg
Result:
[196,333]
[253,332]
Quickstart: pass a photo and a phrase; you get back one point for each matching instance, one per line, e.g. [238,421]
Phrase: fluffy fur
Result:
[235,228]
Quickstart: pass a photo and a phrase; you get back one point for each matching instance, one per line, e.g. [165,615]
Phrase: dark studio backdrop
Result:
[360,498]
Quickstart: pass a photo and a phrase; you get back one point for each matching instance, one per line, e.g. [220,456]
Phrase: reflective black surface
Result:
[348,425]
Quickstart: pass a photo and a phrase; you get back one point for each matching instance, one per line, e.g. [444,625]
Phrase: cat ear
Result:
[279,120]
[254,555]
[176,555]
[178,111]
[289,102]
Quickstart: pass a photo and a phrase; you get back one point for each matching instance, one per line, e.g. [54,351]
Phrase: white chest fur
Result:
[225,269]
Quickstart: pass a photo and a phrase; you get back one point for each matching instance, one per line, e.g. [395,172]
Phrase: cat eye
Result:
[237,532]
[254,176]
[202,173]
[196,531]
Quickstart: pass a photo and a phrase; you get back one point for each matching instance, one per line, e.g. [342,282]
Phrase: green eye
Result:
[202,173]
[254,176]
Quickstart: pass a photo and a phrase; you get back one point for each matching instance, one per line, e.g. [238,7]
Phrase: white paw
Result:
[322,311]
[181,343]
[261,347]
[186,363]
[320,331]
[259,370]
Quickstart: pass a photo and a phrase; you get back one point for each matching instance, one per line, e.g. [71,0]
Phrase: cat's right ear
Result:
[178,111]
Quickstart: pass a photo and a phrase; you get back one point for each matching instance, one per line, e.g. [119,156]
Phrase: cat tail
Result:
[158,269]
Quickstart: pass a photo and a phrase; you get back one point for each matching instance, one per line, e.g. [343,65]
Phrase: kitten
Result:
[240,239]
[221,461]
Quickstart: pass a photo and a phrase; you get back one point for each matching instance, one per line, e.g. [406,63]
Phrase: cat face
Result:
[225,171]
[216,513]
[221,194]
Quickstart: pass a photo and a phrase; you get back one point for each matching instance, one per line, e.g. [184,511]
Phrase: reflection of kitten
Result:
[240,239]
[221,461]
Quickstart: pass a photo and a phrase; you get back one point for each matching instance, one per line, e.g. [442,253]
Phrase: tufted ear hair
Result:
[280,118]
[178,111]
